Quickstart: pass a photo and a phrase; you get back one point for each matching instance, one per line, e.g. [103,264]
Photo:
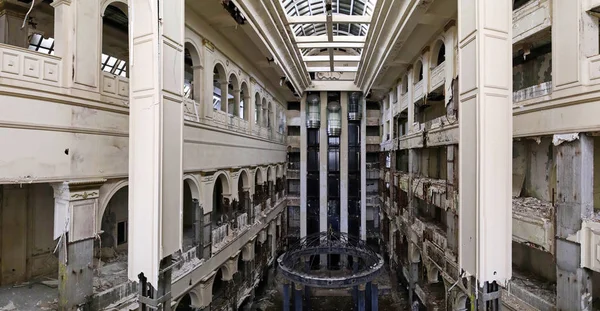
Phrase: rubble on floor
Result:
[110,273]
[533,206]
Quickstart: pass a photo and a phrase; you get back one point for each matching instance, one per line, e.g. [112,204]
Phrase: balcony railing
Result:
[438,76]
[25,65]
[242,220]
[403,102]
[219,235]
[418,91]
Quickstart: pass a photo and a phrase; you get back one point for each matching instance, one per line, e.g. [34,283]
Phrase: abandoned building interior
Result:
[168,155]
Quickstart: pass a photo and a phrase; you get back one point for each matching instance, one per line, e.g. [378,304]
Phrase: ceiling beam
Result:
[325,45]
[329,27]
[336,69]
[322,19]
[337,58]
[323,38]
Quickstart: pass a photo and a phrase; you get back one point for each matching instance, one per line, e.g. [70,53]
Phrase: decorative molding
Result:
[209,45]
[329,76]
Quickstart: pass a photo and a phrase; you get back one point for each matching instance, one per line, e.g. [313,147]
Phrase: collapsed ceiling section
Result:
[329,34]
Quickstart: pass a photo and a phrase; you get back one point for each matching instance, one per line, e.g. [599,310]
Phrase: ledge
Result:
[533,223]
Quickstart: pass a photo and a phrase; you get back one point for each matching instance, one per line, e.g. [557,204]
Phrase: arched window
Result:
[244,102]
[441,56]
[192,72]
[418,72]
[219,87]
[115,40]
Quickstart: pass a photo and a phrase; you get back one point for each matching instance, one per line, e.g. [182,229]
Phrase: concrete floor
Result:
[29,296]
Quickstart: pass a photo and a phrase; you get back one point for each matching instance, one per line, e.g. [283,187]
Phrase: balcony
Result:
[418,91]
[590,243]
[373,140]
[433,191]
[531,92]
[294,141]
[530,19]
[219,236]
[372,174]
[438,76]
[293,118]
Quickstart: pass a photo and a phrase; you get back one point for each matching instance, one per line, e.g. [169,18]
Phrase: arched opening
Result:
[110,250]
[185,304]
[192,71]
[441,55]
[190,215]
[241,275]
[245,101]
[233,97]
[220,201]
[257,109]
[115,40]
[258,188]
[218,288]
[219,87]
[244,196]
[418,72]
[37,34]
[405,85]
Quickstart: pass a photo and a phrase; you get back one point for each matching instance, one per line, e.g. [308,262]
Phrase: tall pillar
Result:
[368,296]
[198,228]
[224,84]
[286,295]
[361,297]
[363,169]
[575,181]
[64,21]
[485,152]
[297,297]
[344,166]
[236,103]
[155,141]
[323,145]
[75,209]
[303,166]
[374,296]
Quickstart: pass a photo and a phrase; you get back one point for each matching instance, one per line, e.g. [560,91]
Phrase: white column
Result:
[224,95]
[450,70]
[411,105]
[363,171]
[344,164]
[155,134]
[303,167]
[323,165]
[64,14]
[485,152]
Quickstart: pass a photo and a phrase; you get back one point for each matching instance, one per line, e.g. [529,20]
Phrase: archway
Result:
[221,204]
[218,288]
[258,187]
[219,87]
[439,55]
[244,196]
[192,72]
[270,115]
[418,76]
[185,304]
[115,40]
[190,214]
[233,97]
[110,250]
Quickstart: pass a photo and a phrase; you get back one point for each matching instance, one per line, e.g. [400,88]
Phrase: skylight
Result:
[114,65]
[39,44]
[330,34]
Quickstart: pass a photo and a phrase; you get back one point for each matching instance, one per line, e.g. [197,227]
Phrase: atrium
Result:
[299,155]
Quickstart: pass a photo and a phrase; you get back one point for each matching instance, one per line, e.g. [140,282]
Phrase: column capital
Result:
[298,286]
[362,287]
[57,3]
